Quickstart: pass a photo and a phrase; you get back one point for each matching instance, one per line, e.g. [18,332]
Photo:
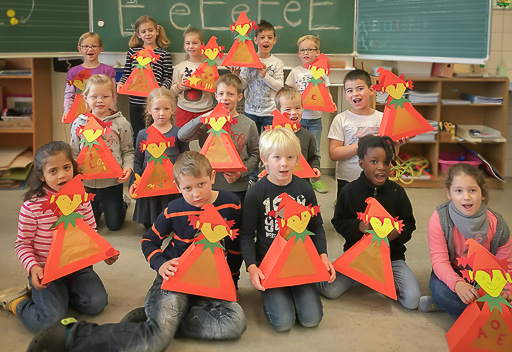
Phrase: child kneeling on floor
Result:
[166,312]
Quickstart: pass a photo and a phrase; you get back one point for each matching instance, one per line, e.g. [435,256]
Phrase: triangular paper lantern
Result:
[291,263]
[95,160]
[368,260]
[74,244]
[219,147]
[142,79]
[479,329]
[242,53]
[302,170]
[400,118]
[206,75]
[202,269]
[157,178]
[203,273]
[370,264]
[316,95]
[292,259]
[79,106]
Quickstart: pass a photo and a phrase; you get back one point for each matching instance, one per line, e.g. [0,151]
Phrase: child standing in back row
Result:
[161,106]
[375,154]
[299,77]
[90,45]
[98,94]
[83,290]
[191,102]
[147,32]
[464,216]
[262,84]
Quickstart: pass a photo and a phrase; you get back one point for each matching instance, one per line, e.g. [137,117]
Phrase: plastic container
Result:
[447,159]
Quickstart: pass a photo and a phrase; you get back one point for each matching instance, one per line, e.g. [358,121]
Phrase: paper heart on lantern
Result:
[217,123]
[381,229]
[317,72]
[396,92]
[143,61]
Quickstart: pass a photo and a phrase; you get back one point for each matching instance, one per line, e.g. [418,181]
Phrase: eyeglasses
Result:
[99,97]
[87,47]
[308,51]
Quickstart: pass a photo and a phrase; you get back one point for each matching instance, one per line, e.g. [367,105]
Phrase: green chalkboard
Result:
[43,25]
[331,20]
[442,30]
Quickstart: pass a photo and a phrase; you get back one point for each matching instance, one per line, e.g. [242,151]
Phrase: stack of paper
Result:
[15,166]
[381,97]
[428,136]
[455,102]
[423,97]
[480,99]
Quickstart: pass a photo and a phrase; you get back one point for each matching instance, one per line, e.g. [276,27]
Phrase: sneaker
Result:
[135,316]
[9,296]
[428,305]
[319,186]
[52,338]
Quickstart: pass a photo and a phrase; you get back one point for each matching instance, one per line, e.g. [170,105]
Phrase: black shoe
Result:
[52,338]
[137,315]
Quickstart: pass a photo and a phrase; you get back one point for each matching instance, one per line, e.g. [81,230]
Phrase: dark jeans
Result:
[109,201]
[444,297]
[166,311]
[138,120]
[81,290]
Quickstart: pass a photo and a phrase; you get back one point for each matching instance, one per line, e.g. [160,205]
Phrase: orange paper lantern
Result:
[142,79]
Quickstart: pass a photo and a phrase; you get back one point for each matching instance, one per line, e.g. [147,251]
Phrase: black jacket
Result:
[352,200]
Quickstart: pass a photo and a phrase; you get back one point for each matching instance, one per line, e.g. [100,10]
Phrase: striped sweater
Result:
[174,221]
[162,69]
[34,235]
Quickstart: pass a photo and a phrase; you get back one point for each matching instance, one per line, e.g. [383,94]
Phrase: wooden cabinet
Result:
[490,115]
[37,85]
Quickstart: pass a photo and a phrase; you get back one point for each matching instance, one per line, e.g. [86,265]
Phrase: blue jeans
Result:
[261,122]
[82,290]
[281,305]
[444,297]
[315,127]
[109,201]
[407,288]
[167,312]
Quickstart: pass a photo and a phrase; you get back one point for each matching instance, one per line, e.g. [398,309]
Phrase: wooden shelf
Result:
[37,85]
[490,115]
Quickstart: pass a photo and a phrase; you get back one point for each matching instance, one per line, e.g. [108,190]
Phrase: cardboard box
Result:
[414,69]
[442,70]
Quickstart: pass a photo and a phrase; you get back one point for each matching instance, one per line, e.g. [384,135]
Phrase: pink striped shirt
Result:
[34,235]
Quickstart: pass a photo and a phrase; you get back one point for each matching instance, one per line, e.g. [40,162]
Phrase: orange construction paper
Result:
[316,95]
[219,147]
[78,108]
[400,118]
[292,263]
[74,244]
[142,79]
[203,269]
[203,273]
[95,160]
[479,329]
[158,177]
[242,53]
[370,264]
[292,259]
[206,75]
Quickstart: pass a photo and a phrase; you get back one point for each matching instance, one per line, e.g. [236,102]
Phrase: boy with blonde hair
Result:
[308,49]
[280,150]
[152,328]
